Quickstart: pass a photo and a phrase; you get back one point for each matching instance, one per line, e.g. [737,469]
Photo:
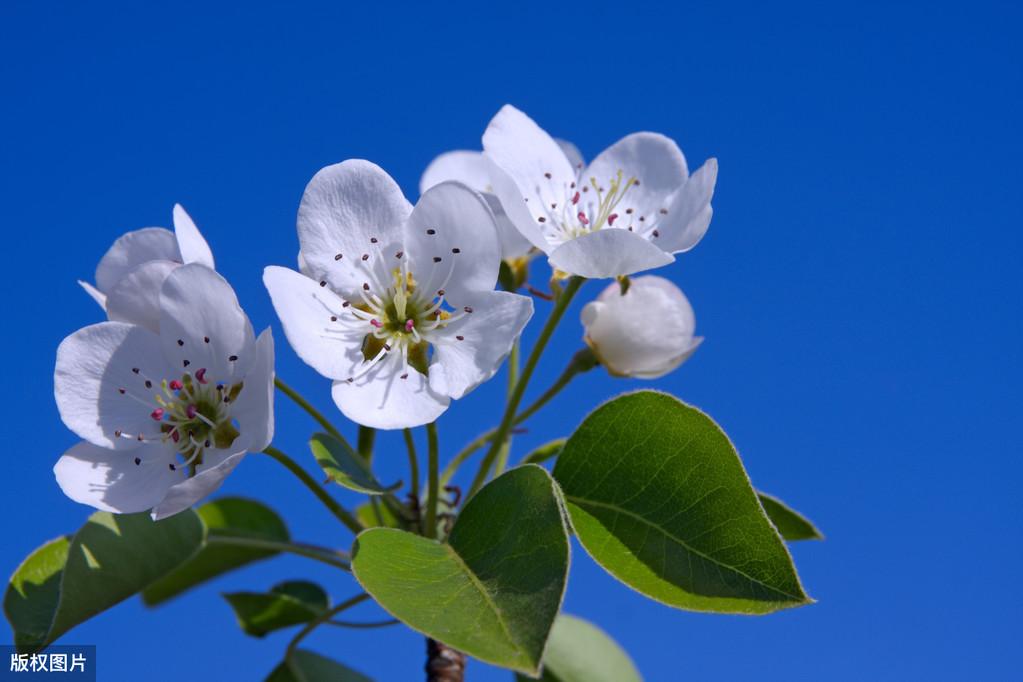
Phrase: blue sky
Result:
[859,287]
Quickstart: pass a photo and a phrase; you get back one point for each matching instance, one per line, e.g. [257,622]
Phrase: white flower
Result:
[645,333]
[632,208]
[398,307]
[475,171]
[166,415]
[130,274]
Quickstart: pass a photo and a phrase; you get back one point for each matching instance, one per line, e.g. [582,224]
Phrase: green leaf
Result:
[345,466]
[109,559]
[545,451]
[226,517]
[658,497]
[494,589]
[364,512]
[579,651]
[305,666]
[288,603]
[33,592]
[791,524]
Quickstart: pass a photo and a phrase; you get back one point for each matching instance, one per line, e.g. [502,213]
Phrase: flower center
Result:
[192,414]
[592,206]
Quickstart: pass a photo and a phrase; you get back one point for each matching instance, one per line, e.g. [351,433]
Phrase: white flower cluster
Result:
[395,303]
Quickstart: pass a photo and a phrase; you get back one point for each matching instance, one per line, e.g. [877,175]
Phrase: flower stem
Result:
[513,378]
[363,625]
[433,491]
[321,619]
[327,556]
[305,405]
[560,306]
[340,512]
[413,464]
[366,438]
[582,361]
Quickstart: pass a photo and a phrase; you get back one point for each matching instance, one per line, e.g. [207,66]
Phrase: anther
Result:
[333,318]
[547,175]
[404,376]
[206,339]
[376,323]
[387,346]
[437,259]
[350,379]
[612,218]
[365,256]
[138,460]
[656,233]
[575,198]
[345,304]
[117,434]
[176,385]
[409,324]
[642,219]
[460,338]
[186,363]
[440,292]
[431,231]
[664,211]
[180,342]
[628,211]
[583,219]
[200,374]
[149,384]
[399,255]
[191,411]
[172,467]
[365,286]
[121,391]
[323,283]
[554,204]
[157,414]
[542,219]
[337,257]
[372,240]
[135,370]
[467,309]
[232,358]
[456,250]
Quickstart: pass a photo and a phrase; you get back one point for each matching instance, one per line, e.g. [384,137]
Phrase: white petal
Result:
[136,297]
[193,246]
[183,495]
[475,171]
[572,153]
[303,266]
[93,365]
[110,480]
[305,309]
[345,207]
[132,250]
[383,400]
[95,293]
[645,333]
[608,253]
[654,160]
[452,244]
[202,324]
[460,365]
[254,408]
[690,211]
[516,211]
[534,162]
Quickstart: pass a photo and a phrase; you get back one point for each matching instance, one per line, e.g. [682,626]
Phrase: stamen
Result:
[200,374]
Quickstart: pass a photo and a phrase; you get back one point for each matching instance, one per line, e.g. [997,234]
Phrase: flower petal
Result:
[193,246]
[452,242]
[516,210]
[136,297]
[533,161]
[689,215]
[646,333]
[383,400]
[349,210]
[608,253]
[305,309]
[202,324]
[93,366]
[470,350]
[474,171]
[110,480]
[654,160]
[183,495]
[95,293]
[254,408]
[572,153]
[132,250]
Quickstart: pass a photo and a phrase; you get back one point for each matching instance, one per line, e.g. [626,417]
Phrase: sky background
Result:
[859,288]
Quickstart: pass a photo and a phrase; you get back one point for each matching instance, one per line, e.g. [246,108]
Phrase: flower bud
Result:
[645,332]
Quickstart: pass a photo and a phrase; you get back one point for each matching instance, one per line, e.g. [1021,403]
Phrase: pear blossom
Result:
[130,274]
[631,209]
[475,170]
[164,415]
[397,304]
[645,332]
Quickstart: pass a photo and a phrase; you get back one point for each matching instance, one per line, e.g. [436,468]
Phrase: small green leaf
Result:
[545,451]
[579,651]
[109,559]
[791,524]
[305,666]
[368,517]
[345,466]
[226,517]
[494,589]
[288,603]
[658,496]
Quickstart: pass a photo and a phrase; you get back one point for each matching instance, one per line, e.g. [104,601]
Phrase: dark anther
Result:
[186,363]
[554,205]
[323,283]
[542,219]
[180,342]
[431,231]
[135,370]
[117,434]
[345,304]
[138,461]
[365,256]
[172,467]
[337,257]
[664,211]
[440,292]
[656,233]
[399,255]
[206,339]
[642,219]
[456,250]
[365,286]
[372,240]
[149,384]
[460,338]
[333,318]
[629,211]
[387,347]
[233,358]
[404,376]
[436,259]
[547,175]
[121,391]
[468,309]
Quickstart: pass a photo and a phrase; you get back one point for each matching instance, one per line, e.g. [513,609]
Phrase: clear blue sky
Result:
[859,288]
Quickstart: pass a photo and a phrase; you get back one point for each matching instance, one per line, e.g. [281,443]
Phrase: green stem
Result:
[367,436]
[340,512]
[433,492]
[320,620]
[513,378]
[413,463]
[327,556]
[560,306]
[305,405]
[582,361]
[363,625]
